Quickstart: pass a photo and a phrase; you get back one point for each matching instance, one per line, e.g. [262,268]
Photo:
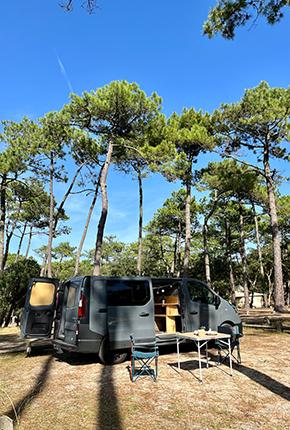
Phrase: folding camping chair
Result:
[143,356]
[223,352]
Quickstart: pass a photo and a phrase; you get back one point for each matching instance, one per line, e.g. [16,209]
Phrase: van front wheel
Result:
[108,356]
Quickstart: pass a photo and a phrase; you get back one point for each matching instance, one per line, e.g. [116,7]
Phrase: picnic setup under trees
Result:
[145,217]
[120,125]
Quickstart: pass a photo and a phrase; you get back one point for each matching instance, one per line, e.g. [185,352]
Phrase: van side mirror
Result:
[217,301]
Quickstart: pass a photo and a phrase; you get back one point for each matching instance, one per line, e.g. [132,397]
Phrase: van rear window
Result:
[71,297]
[42,294]
[127,293]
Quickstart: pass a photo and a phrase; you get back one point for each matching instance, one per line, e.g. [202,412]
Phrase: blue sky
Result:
[158,44]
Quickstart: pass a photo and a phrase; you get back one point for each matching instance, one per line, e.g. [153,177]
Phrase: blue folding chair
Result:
[144,360]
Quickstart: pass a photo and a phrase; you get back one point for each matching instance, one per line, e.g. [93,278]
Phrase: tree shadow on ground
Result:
[9,338]
[255,375]
[108,417]
[264,380]
[13,343]
[261,378]
[39,349]
[77,359]
[189,365]
[34,392]
[108,413]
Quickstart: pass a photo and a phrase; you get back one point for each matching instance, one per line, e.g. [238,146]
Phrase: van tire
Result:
[227,324]
[107,356]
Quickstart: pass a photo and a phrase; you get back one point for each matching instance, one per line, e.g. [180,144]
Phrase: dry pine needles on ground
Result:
[81,394]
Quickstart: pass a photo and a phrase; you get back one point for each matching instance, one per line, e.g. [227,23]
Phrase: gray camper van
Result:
[91,314]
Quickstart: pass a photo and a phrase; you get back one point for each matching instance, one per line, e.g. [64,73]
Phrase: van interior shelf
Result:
[167,315]
[167,304]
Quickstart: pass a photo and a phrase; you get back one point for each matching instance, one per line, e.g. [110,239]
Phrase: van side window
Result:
[71,297]
[199,293]
[127,293]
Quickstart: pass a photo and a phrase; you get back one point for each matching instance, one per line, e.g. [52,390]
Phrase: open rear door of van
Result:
[39,309]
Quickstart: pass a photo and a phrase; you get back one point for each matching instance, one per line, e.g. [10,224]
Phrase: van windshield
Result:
[199,292]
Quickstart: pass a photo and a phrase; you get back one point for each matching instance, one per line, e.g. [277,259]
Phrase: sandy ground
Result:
[79,393]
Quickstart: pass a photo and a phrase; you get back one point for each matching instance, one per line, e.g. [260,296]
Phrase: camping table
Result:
[200,342]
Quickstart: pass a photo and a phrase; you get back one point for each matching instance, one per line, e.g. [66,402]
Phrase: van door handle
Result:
[144,314]
[193,312]
[103,310]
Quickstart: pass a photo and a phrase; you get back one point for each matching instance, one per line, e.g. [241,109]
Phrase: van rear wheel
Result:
[107,356]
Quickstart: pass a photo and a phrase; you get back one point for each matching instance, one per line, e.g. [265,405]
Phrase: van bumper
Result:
[87,346]
[63,345]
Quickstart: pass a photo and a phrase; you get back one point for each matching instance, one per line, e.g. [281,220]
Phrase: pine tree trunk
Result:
[8,315]
[2,317]
[139,257]
[276,237]
[60,208]
[104,213]
[59,267]
[205,238]
[187,230]
[163,254]
[88,220]
[174,260]
[178,251]
[286,266]
[29,242]
[20,243]
[270,288]
[230,262]
[244,259]
[43,270]
[10,235]
[7,244]
[262,271]
[206,254]
[2,219]
[51,217]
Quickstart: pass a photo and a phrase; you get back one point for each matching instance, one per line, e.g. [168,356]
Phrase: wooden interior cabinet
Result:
[166,313]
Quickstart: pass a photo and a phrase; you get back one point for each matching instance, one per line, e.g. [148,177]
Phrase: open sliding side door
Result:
[39,309]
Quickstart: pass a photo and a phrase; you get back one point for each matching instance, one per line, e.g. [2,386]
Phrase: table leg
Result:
[199,362]
[230,357]
[206,353]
